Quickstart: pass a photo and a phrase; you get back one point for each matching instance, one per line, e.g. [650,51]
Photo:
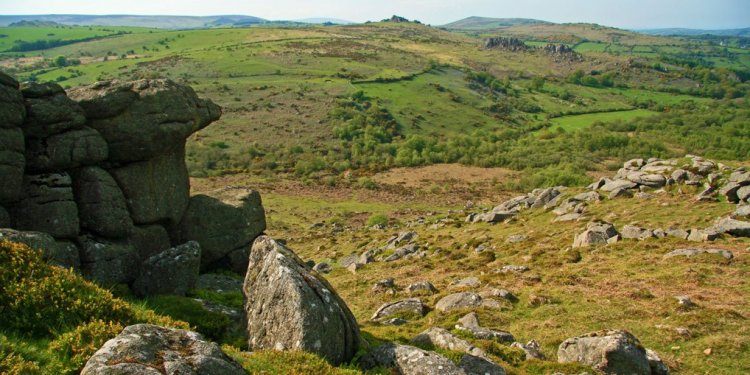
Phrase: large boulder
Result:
[409,360]
[61,253]
[101,204]
[289,307]
[596,233]
[173,271]
[67,150]
[611,352]
[48,206]
[145,349]
[108,261]
[12,164]
[146,118]
[49,111]
[225,220]
[157,190]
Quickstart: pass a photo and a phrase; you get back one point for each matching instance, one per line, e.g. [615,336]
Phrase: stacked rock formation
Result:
[101,169]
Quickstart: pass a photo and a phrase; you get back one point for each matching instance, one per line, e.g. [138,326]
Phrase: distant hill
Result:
[324,20]
[485,23]
[694,32]
[165,22]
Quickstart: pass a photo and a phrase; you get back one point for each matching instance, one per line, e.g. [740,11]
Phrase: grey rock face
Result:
[49,111]
[470,324]
[146,118]
[403,252]
[61,253]
[531,348]
[101,204]
[290,308]
[66,150]
[156,190]
[676,232]
[12,163]
[689,253]
[658,367]
[742,211]
[596,233]
[108,261]
[146,349]
[458,301]
[229,219]
[48,206]
[149,240]
[611,352]
[173,271]
[736,228]
[12,109]
[618,184]
[636,233]
[412,307]
[4,218]
[408,360]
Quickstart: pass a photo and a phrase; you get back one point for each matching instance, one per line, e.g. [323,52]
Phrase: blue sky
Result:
[619,13]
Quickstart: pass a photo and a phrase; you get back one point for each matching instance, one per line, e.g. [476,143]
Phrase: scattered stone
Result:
[144,348]
[589,196]
[512,268]
[322,268]
[409,360]
[458,301]
[501,293]
[538,300]
[596,233]
[346,261]
[611,352]
[644,196]
[689,253]
[516,238]
[618,185]
[531,348]
[394,322]
[403,252]
[173,271]
[676,232]
[469,282]
[290,308]
[409,308]
[620,193]
[421,288]
[703,235]
[354,267]
[403,237]
[636,233]
[573,216]
[742,212]
[442,338]
[658,367]
[734,227]
[684,302]
[475,365]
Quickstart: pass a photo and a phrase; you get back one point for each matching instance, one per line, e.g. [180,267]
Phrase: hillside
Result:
[744,32]
[164,22]
[486,23]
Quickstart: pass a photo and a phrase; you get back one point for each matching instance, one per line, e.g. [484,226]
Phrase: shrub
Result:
[293,362]
[76,347]
[12,363]
[40,299]
[377,219]
[209,323]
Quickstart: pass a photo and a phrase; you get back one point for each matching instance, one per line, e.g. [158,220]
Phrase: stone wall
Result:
[101,169]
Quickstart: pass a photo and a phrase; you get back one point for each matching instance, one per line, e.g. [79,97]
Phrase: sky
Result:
[631,14]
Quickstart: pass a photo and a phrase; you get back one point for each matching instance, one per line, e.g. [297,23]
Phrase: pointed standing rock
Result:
[289,307]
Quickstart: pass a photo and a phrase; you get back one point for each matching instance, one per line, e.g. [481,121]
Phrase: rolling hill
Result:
[486,23]
[163,22]
[744,32]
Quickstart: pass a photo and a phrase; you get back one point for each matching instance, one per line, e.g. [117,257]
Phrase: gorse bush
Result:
[75,347]
[41,299]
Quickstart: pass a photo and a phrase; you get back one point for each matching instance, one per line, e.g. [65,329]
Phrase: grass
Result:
[579,122]
[63,33]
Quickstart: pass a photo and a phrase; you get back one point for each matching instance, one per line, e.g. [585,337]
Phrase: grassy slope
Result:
[64,33]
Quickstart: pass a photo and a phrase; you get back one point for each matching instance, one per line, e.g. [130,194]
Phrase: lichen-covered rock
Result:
[146,118]
[421,288]
[442,338]
[611,352]
[67,150]
[61,253]
[101,204]
[408,360]
[636,233]
[689,253]
[173,271]
[156,190]
[12,164]
[474,365]
[48,206]
[288,307]
[49,111]
[225,220]
[145,349]
[410,307]
[108,261]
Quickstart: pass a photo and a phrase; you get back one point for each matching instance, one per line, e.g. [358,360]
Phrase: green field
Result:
[579,122]
[9,35]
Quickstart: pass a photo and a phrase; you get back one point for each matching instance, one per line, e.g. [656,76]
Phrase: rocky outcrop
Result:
[507,44]
[289,307]
[147,349]
[611,352]
[596,233]
[101,169]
